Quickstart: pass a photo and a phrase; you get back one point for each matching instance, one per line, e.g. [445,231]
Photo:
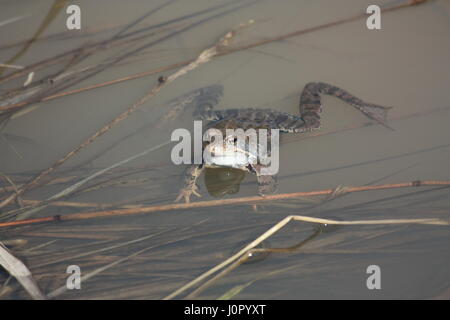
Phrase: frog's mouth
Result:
[232,160]
[228,156]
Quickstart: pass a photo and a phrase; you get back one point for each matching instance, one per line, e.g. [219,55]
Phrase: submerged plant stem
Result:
[223,202]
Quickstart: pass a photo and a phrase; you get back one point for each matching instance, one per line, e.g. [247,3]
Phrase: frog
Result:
[308,119]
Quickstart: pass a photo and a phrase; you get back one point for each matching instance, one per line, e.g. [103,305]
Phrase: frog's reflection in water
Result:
[223,181]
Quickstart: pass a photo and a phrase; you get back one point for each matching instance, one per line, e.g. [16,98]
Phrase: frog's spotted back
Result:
[253,118]
[308,118]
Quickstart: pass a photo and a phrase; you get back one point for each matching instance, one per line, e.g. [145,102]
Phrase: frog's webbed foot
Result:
[375,112]
[190,184]
[187,192]
[267,185]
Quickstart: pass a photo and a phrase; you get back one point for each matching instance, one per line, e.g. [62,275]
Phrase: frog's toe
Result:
[196,193]
[376,112]
[181,196]
[186,193]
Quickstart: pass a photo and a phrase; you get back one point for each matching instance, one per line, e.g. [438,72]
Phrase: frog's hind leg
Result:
[197,101]
[311,107]
[208,98]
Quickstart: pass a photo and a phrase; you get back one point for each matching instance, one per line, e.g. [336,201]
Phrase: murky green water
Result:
[404,65]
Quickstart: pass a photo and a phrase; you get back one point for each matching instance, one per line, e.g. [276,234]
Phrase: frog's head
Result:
[230,154]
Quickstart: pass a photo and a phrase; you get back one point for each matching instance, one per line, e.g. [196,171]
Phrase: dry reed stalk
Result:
[51,182]
[203,58]
[69,204]
[82,53]
[246,257]
[225,52]
[242,253]
[19,270]
[223,202]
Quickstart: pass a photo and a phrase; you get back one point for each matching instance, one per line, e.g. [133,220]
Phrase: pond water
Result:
[404,65]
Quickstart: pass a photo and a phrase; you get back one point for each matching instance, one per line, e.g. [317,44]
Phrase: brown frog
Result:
[308,119]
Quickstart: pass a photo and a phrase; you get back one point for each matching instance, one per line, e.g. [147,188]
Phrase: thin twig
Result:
[244,258]
[105,43]
[82,182]
[14,186]
[222,202]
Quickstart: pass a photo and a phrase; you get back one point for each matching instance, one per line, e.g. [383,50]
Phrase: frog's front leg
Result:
[190,183]
[267,184]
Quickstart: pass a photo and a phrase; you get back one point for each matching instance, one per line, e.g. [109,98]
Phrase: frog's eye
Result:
[231,139]
[250,168]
